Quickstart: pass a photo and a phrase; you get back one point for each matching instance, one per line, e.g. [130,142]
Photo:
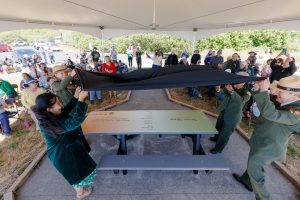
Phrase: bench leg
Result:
[197,147]
[122,151]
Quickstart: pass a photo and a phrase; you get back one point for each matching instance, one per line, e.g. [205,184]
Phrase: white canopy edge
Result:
[292,25]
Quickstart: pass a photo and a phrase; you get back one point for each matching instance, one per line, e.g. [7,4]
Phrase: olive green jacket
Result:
[273,128]
[232,105]
[60,89]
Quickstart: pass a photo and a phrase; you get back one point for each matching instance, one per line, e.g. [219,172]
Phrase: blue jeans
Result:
[93,93]
[5,122]
[194,92]
[211,90]
[156,67]
[220,96]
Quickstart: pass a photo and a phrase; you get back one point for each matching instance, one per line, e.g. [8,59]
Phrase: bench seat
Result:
[162,162]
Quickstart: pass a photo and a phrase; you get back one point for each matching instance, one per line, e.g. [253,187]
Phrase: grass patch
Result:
[293,151]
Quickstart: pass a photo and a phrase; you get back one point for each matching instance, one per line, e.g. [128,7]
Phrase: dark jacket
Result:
[232,65]
[207,59]
[195,58]
[171,60]
[279,72]
[95,56]
[69,151]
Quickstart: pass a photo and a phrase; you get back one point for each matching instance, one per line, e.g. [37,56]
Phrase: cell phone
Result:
[284,50]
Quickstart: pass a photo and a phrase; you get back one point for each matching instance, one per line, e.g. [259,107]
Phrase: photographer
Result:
[282,69]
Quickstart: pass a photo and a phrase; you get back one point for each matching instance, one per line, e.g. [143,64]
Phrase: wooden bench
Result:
[163,162]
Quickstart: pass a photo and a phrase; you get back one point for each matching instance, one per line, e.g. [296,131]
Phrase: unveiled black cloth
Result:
[165,77]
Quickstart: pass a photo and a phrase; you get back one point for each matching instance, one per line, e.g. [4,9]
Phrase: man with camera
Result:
[282,69]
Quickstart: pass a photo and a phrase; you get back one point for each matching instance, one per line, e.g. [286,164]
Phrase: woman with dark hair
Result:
[281,68]
[67,147]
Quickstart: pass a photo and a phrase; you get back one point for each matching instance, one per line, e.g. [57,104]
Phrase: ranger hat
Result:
[242,74]
[58,68]
[252,52]
[289,84]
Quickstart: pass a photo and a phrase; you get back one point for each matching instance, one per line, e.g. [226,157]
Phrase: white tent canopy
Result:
[190,19]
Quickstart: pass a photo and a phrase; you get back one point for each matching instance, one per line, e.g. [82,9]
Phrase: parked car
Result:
[19,43]
[54,47]
[5,48]
[41,43]
[19,54]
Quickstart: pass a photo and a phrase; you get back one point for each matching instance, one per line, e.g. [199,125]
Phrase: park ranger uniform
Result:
[230,116]
[60,89]
[269,141]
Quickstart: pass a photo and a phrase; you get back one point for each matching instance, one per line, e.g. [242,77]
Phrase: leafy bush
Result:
[238,40]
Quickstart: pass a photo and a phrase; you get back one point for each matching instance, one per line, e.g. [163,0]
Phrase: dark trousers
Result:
[249,104]
[130,61]
[11,96]
[156,67]
[5,122]
[193,92]
[139,63]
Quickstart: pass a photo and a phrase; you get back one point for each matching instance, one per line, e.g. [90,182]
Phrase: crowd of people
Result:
[39,78]
[57,106]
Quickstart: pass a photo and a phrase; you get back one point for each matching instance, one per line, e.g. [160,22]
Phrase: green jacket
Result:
[60,89]
[232,105]
[6,88]
[273,128]
[69,151]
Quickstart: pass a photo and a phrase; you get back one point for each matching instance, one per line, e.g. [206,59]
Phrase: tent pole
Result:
[194,37]
[102,43]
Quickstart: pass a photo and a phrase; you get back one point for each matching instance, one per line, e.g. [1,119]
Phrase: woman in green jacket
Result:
[67,147]
[6,89]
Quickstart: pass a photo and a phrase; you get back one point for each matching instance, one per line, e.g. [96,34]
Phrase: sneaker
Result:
[100,101]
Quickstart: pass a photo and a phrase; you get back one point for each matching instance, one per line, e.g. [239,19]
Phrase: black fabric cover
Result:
[165,77]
